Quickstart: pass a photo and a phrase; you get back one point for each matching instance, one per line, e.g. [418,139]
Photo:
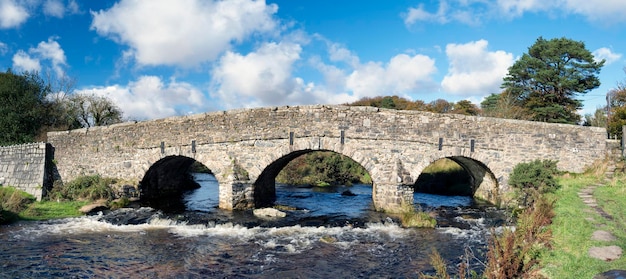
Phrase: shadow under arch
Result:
[481,182]
[265,185]
[165,182]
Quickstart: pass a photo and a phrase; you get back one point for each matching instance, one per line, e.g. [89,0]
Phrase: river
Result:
[327,235]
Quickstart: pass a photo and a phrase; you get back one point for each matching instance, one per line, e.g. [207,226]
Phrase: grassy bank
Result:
[45,210]
[575,222]
[17,205]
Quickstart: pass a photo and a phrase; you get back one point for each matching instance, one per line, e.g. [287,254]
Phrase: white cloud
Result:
[403,74]
[49,51]
[338,53]
[73,7]
[54,8]
[260,78]
[606,11]
[265,77]
[475,70]
[23,62]
[471,12]
[3,48]
[186,34]
[420,14]
[150,98]
[12,14]
[606,54]
[515,8]
[334,77]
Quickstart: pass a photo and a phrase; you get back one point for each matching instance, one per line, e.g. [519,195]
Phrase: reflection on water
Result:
[205,198]
[329,235]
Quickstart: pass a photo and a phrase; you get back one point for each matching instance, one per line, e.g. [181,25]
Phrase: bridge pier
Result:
[391,197]
[236,195]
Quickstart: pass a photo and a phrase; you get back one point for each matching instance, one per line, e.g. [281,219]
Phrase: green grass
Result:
[572,230]
[18,205]
[411,217]
[52,210]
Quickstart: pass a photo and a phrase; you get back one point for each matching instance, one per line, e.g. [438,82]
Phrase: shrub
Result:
[14,200]
[119,203]
[512,254]
[515,254]
[533,179]
[414,218]
[91,187]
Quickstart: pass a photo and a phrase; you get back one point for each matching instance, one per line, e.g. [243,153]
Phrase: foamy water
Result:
[204,243]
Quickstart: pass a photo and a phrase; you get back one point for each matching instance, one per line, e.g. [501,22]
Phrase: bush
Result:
[516,253]
[414,218]
[91,187]
[119,203]
[533,179]
[513,254]
[14,200]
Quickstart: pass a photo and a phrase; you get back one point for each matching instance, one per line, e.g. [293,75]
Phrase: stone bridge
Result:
[247,148]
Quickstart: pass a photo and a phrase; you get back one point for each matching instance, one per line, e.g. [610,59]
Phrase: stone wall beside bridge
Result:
[246,148]
[27,167]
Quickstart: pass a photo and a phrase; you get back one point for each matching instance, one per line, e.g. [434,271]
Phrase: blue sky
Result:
[161,58]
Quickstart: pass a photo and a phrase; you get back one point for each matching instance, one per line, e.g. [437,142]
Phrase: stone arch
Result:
[265,184]
[483,182]
[166,180]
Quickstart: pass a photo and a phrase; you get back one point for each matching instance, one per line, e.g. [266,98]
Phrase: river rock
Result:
[348,193]
[612,274]
[606,253]
[94,207]
[269,212]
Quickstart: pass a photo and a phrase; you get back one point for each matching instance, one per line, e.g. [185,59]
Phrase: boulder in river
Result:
[269,212]
[94,207]
[612,274]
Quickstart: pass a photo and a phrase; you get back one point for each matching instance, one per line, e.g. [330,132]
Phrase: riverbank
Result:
[575,223]
[17,205]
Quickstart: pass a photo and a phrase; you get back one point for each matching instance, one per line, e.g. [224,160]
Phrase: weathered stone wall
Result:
[26,167]
[394,146]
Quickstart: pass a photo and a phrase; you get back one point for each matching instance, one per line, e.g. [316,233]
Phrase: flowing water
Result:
[328,234]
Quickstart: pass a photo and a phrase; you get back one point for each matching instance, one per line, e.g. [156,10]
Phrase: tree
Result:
[91,110]
[503,105]
[533,179]
[597,119]
[547,79]
[59,115]
[440,106]
[465,107]
[22,109]
[616,111]
[388,102]
[612,116]
[393,102]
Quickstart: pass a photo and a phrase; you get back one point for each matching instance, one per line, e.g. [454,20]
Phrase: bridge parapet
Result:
[394,146]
